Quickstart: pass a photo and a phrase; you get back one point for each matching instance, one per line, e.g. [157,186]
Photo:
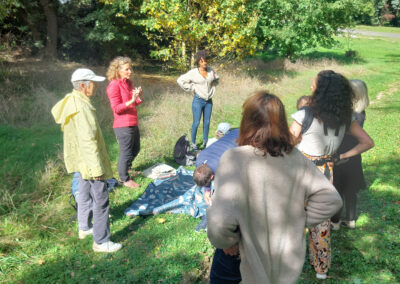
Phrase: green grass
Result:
[38,241]
[393,30]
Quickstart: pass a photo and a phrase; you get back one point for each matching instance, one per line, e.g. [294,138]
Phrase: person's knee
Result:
[196,123]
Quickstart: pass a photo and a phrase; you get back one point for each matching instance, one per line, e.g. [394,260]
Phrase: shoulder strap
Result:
[308,119]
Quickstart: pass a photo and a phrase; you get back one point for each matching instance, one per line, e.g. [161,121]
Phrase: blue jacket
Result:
[213,153]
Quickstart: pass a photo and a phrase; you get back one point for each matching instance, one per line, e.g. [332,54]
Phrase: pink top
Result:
[119,91]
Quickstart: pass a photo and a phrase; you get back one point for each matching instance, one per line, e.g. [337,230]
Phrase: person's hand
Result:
[232,251]
[139,89]
[207,197]
[135,93]
[337,159]
[99,177]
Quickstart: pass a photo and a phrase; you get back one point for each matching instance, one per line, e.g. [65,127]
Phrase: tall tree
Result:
[176,29]
[290,26]
[52,27]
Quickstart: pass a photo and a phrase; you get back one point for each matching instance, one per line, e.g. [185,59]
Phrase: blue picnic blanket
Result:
[176,194]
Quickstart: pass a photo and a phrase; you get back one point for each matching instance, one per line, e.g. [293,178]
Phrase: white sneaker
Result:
[320,275]
[349,224]
[335,226]
[106,247]
[84,234]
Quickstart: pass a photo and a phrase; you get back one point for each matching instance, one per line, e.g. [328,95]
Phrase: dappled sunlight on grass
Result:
[38,241]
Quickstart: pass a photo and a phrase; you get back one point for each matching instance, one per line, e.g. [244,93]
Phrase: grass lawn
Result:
[38,240]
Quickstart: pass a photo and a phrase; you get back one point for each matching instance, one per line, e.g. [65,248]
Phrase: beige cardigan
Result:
[259,202]
[193,81]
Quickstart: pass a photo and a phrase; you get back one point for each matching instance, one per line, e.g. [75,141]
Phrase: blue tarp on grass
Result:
[177,194]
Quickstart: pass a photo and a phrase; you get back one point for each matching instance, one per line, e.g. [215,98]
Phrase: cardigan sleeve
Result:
[222,224]
[185,82]
[114,95]
[322,199]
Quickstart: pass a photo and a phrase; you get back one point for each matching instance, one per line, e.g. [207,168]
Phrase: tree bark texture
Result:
[52,28]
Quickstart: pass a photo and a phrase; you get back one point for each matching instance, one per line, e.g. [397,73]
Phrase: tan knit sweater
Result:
[259,202]
[193,81]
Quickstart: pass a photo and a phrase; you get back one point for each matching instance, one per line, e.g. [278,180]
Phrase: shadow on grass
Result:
[341,58]
[392,58]
[150,255]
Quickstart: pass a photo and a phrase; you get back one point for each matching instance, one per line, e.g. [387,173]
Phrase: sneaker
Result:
[83,234]
[203,146]
[349,224]
[106,247]
[335,226]
[130,183]
[194,147]
[320,275]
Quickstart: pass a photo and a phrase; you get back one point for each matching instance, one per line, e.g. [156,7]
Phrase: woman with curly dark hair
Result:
[200,81]
[266,194]
[331,110]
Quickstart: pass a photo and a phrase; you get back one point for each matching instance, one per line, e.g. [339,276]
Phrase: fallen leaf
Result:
[161,220]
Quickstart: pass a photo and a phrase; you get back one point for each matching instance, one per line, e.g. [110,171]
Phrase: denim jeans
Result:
[199,107]
[225,269]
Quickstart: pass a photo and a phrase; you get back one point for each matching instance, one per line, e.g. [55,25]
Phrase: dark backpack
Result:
[308,119]
[182,154]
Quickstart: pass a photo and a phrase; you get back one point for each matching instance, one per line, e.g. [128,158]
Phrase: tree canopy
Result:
[173,30]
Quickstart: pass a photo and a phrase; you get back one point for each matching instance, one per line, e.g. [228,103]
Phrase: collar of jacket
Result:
[83,97]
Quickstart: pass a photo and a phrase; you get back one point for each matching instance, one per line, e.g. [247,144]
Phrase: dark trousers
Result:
[350,203]
[93,203]
[199,107]
[129,146]
[225,269]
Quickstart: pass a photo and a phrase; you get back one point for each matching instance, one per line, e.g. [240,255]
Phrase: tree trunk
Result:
[192,58]
[52,29]
[184,53]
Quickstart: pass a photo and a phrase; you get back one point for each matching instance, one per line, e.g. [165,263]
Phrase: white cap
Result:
[223,127]
[84,74]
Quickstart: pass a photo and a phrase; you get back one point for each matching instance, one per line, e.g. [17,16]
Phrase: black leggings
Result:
[350,203]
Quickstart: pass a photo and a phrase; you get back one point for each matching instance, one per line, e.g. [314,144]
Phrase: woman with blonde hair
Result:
[266,192]
[124,99]
[348,178]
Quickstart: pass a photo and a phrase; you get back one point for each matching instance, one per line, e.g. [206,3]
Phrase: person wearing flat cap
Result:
[85,152]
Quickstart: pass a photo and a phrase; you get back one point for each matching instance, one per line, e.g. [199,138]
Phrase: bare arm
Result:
[295,129]
[364,141]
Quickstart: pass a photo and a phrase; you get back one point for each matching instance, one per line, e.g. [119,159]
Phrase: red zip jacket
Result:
[119,91]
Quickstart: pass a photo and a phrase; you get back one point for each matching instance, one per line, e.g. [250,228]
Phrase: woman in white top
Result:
[201,81]
[331,106]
